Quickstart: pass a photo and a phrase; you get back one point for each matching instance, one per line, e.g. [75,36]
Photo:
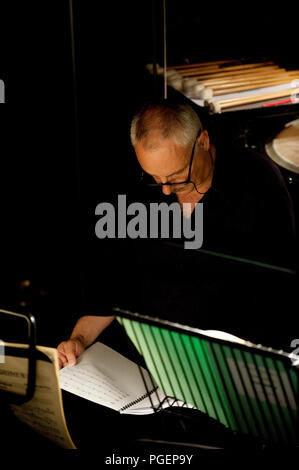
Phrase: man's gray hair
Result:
[176,121]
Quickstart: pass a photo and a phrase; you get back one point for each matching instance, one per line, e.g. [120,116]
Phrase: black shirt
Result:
[248,211]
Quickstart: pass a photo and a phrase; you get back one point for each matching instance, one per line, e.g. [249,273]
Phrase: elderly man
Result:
[172,147]
[247,212]
[247,209]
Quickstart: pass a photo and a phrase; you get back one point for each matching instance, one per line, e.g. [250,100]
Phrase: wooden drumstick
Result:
[218,106]
[223,73]
[232,75]
[254,81]
[198,64]
[220,64]
[208,93]
[217,69]
[230,79]
[245,79]
[251,86]
[203,89]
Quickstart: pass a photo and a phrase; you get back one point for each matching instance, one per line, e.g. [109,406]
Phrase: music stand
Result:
[251,389]
[10,397]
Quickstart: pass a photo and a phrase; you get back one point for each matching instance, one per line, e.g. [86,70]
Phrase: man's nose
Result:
[166,190]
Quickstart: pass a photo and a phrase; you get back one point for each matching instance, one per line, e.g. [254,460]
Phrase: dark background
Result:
[65,147]
[65,142]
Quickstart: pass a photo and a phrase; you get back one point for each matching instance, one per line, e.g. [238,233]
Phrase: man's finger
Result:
[70,352]
[62,359]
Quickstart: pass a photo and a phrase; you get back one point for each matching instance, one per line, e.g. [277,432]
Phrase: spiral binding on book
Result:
[128,405]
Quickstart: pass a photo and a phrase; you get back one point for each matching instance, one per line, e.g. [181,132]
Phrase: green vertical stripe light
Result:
[229,391]
[246,395]
[281,408]
[244,390]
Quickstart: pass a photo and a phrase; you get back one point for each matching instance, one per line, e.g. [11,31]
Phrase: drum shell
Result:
[286,158]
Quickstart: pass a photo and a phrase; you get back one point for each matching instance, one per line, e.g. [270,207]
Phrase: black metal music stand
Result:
[15,398]
[250,389]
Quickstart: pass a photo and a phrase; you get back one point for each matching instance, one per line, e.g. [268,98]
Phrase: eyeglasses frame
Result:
[187,181]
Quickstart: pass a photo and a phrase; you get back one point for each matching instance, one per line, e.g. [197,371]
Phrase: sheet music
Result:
[104,376]
[89,383]
[44,412]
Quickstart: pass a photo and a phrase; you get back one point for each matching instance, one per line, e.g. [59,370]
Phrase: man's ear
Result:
[204,140]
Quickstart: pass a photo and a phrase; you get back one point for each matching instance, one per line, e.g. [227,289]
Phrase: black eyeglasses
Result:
[144,176]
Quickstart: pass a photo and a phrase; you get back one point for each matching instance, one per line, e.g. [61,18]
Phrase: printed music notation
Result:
[104,376]
[92,385]
[44,412]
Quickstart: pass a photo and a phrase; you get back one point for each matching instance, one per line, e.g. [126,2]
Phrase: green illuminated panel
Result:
[243,389]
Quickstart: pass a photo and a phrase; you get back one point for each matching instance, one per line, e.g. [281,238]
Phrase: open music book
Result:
[246,387]
[44,412]
[106,377]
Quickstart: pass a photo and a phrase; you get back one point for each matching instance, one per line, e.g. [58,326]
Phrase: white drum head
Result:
[284,148]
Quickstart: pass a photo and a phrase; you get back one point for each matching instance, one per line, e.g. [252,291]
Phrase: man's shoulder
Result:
[250,167]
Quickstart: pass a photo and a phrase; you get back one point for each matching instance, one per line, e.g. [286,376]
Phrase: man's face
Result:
[167,161]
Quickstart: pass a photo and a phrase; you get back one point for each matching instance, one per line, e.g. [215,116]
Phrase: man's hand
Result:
[69,351]
[85,332]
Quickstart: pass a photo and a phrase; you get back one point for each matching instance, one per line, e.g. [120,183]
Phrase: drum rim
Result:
[284,164]
[271,152]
